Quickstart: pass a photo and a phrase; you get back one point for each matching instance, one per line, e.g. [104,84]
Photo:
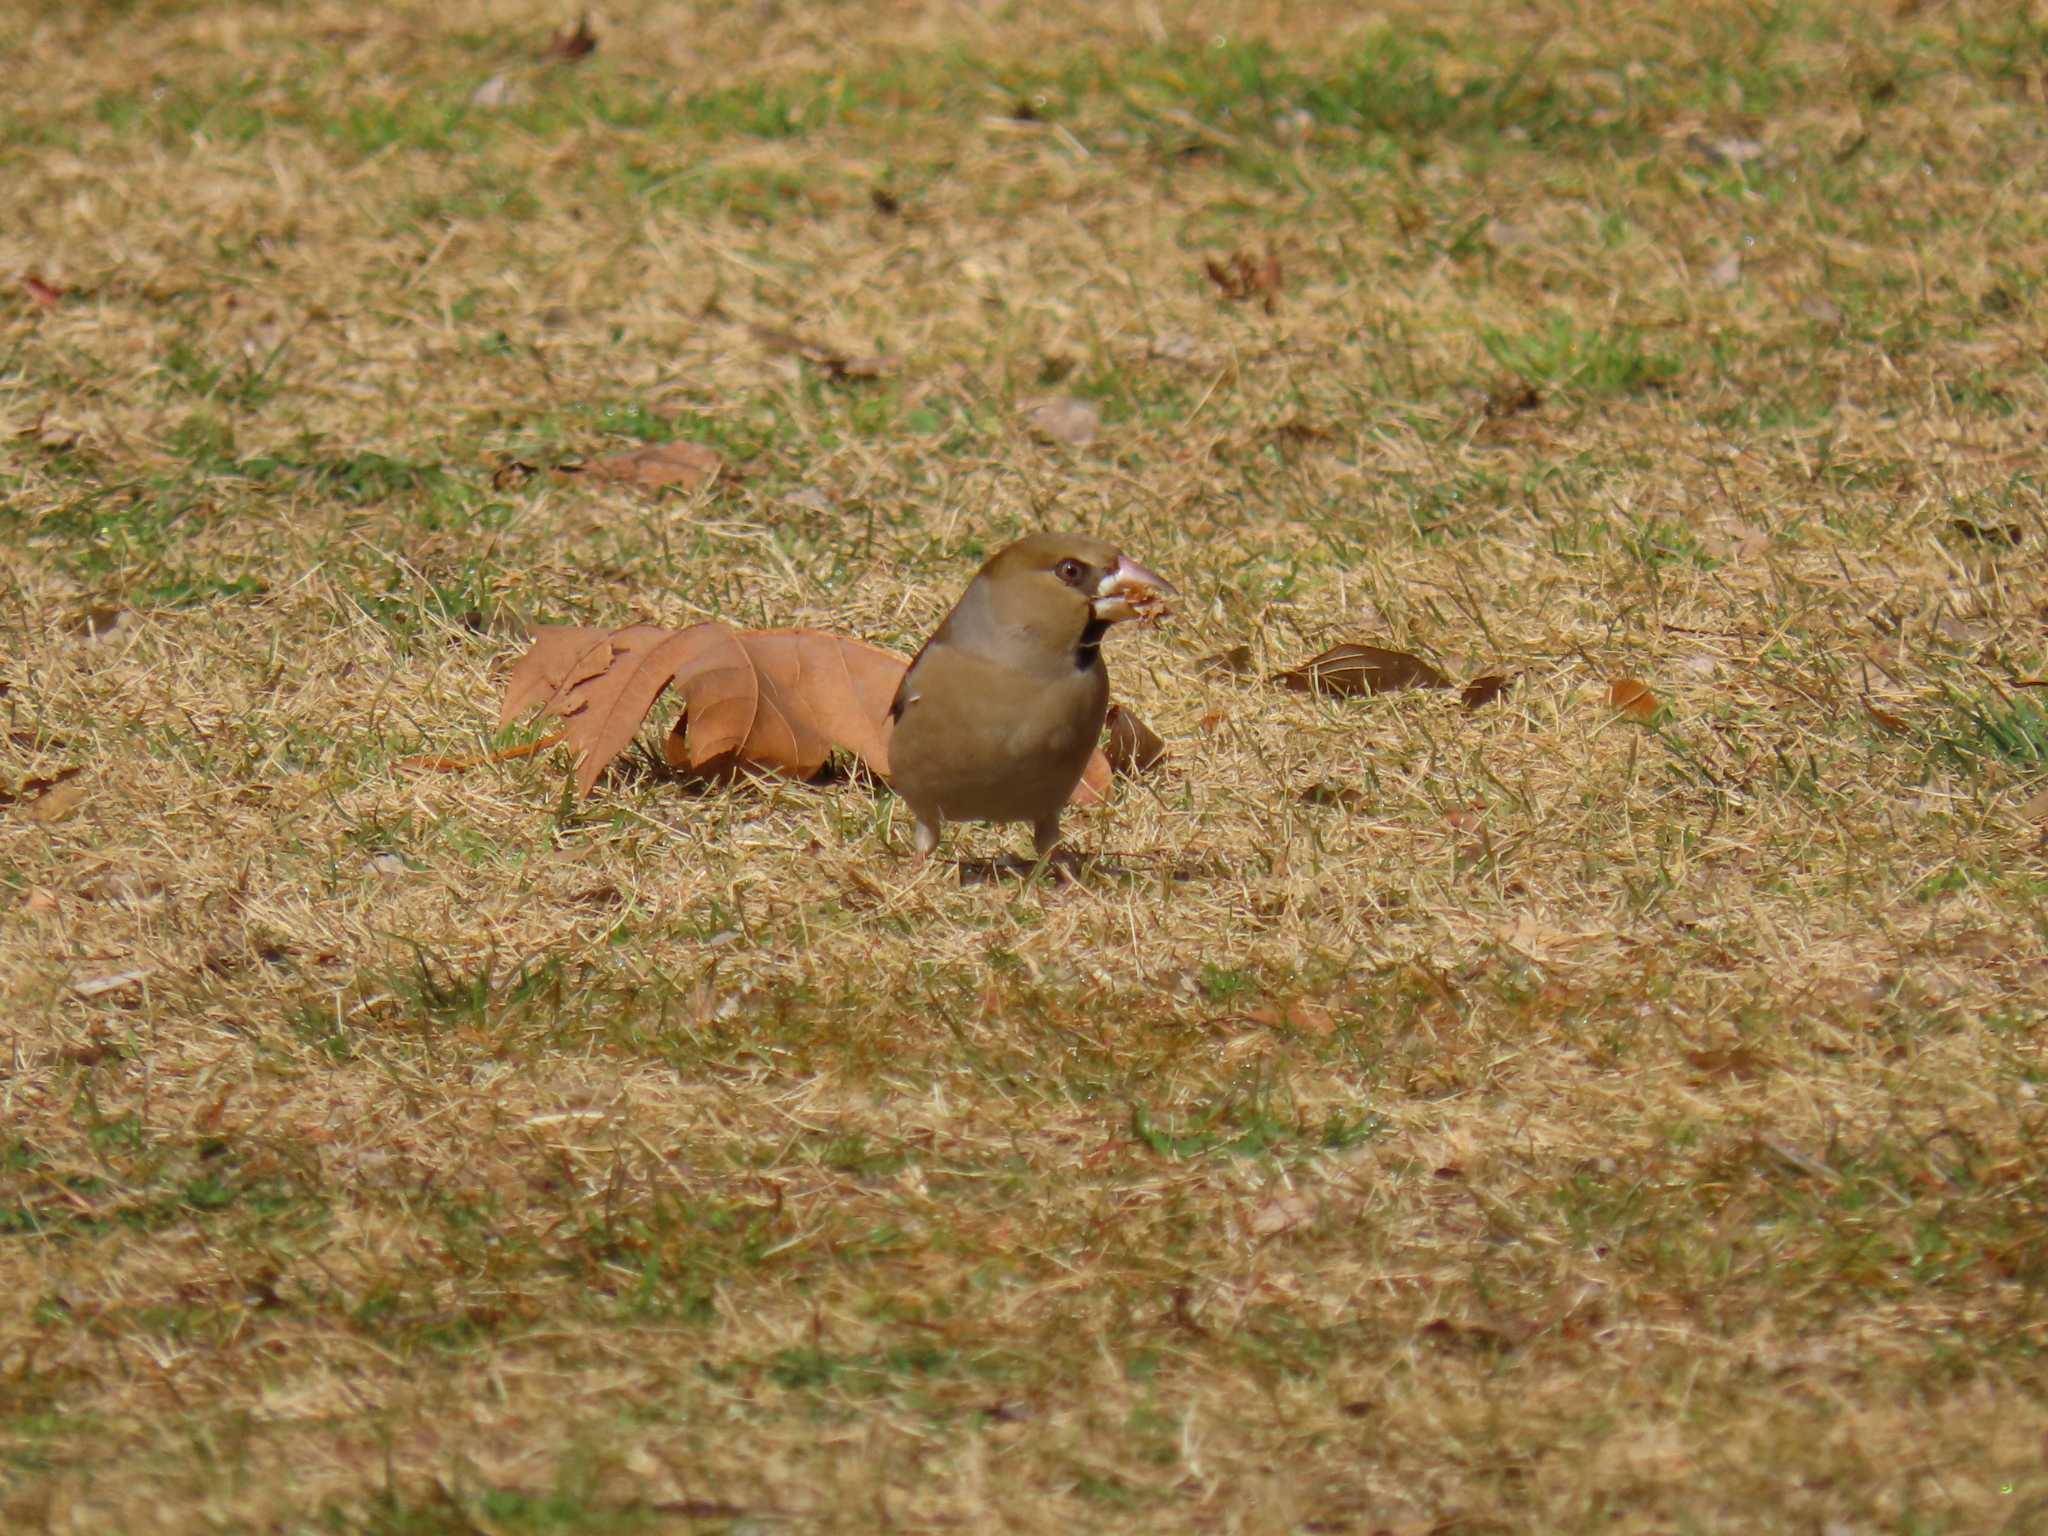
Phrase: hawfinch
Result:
[998,714]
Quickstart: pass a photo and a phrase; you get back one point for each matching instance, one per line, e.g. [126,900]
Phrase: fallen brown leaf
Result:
[1095,779]
[1482,691]
[656,465]
[1886,720]
[1353,669]
[831,691]
[1132,745]
[1632,697]
[46,295]
[1062,419]
[602,685]
[780,699]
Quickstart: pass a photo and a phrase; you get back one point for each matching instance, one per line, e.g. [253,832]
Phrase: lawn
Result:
[1597,1109]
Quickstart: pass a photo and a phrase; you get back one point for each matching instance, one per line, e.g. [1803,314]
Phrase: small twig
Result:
[430,764]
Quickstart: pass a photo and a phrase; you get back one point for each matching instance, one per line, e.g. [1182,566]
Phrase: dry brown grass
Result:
[1529,1119]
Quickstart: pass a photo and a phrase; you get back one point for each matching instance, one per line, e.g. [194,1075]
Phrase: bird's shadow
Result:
[1079,869]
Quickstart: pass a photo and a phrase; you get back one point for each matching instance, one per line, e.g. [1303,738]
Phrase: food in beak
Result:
[1132,592]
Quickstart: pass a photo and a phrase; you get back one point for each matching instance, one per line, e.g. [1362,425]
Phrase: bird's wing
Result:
[905,691]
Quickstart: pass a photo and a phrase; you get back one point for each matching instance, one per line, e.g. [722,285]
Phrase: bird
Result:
[1002,707]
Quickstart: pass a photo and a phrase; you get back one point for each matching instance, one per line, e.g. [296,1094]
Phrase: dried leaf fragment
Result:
[1482,691]
[1988,533]
[1821,310]
[1354,669]
[1296,431]
[98,623]
[836,363]
[1176,347]
[46,295]
[1483,1337]
[1327,793]
[1632,697]
[1095,780]
[49,800]
[1738,1062]
[1735,149]
[1308,1018]
[499,90]
[2036,808]
[1235,662]
[1884,719]
[657,465]
[1131,746]
[1513,398]
[572,43]
[57,803]
[100,986]
[1245,276]
[1062,419]
[31,788]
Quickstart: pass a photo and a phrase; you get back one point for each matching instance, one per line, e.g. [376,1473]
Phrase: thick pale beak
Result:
[1132,592]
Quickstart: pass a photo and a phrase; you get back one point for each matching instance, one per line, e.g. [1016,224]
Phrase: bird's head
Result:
[1063,591]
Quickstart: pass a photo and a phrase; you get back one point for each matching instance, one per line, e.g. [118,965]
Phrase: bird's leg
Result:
[1045,835]
[1052,849]
[927,837]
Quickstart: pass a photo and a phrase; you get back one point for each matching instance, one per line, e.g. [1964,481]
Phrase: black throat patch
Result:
[1089,651]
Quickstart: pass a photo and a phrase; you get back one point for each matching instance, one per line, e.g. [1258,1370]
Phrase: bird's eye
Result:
[1070,571]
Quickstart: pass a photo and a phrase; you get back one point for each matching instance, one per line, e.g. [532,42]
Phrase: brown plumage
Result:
[999,712]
